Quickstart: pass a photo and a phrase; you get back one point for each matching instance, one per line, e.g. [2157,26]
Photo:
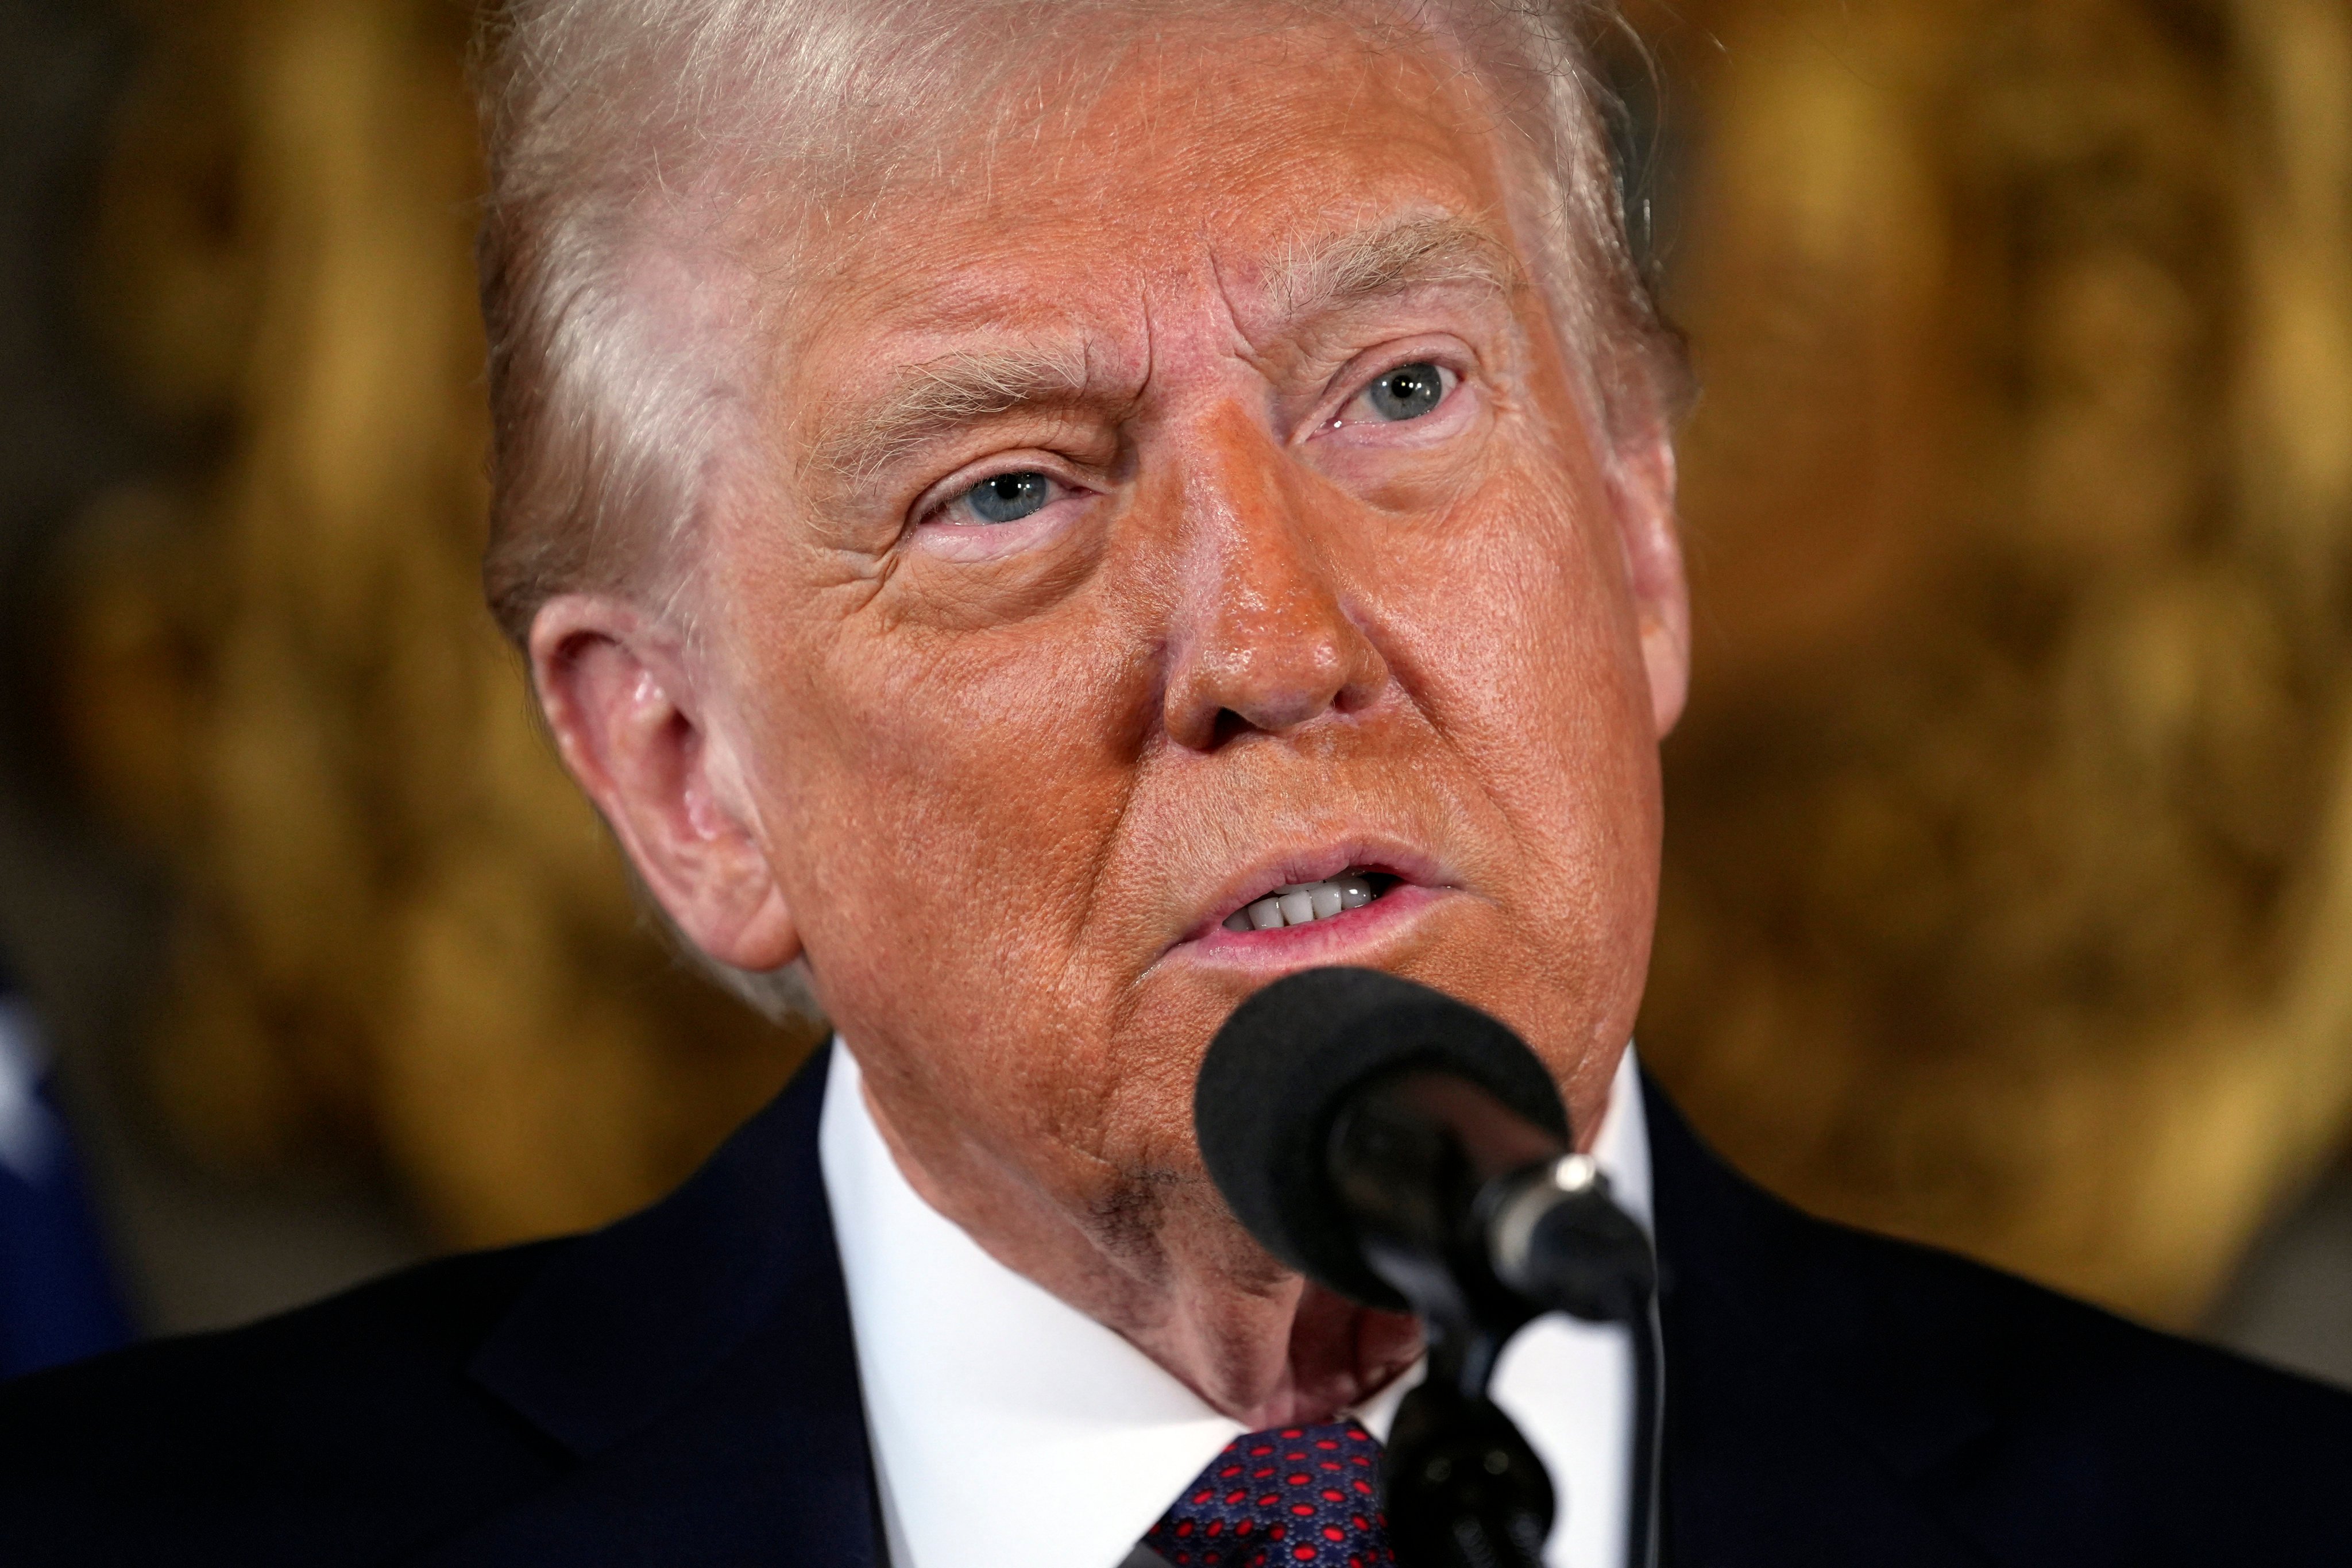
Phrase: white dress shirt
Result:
[980,1385]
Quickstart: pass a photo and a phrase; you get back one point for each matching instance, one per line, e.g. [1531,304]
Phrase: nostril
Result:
[1355,696]
[1227,726]
[1269,672]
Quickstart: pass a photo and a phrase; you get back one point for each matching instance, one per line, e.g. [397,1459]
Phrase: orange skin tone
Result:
[1000,782]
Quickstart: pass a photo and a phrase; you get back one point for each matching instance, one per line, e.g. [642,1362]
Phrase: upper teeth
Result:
[1303,902]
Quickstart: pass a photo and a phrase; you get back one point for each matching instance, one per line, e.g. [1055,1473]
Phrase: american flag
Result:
[57,1300]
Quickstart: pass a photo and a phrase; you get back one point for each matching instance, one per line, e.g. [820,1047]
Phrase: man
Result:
[1049,517]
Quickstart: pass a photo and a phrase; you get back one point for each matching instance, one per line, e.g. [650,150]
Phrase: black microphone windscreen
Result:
[1283,1066]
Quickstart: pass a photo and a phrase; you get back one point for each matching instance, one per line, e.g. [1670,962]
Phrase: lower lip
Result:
[1331,941]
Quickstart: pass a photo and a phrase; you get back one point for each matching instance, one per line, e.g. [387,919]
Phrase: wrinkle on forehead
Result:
[1381,260]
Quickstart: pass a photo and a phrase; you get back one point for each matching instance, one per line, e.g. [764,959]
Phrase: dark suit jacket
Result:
[681,1388]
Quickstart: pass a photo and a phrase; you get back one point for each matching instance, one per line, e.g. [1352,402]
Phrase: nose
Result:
[1264,641]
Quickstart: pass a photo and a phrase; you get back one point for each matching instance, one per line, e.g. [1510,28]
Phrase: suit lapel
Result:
[1795,1432]
[697,1362]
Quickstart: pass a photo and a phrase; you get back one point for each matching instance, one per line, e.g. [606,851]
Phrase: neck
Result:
[1167,1268]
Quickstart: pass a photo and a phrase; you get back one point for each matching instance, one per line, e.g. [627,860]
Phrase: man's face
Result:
[1185,500]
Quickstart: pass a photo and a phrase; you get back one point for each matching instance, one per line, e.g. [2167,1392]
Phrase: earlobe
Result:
[636,733]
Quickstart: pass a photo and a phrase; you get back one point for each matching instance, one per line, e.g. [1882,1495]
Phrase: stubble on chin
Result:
[1151,1251]
[1243,1331]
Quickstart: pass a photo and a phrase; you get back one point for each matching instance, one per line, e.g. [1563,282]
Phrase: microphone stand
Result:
[1465,1490]
[1649,1458]
[1559,1237]
[1479,1250]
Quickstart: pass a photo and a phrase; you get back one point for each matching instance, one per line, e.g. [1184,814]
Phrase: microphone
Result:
[1410,1152]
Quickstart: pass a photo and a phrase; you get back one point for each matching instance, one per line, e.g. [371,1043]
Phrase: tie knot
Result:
[1286,1496]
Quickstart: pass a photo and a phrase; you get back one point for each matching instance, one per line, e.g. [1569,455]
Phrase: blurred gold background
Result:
[2010,840]
[405,938]
[2010,851]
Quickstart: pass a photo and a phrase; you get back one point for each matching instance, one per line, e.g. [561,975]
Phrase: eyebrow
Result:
[1389,259]
[935,396]
[938,396]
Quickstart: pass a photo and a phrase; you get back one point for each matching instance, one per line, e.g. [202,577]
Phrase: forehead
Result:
[1213,153]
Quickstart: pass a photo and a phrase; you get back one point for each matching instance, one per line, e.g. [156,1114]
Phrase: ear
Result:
[1644,479]
[635,734]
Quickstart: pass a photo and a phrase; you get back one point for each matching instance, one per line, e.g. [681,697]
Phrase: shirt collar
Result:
[980,1385]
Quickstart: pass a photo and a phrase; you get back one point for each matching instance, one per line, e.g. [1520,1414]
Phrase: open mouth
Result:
[1304,903]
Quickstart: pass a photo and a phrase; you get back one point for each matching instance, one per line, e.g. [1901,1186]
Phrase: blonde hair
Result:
[627,141]
[635,146]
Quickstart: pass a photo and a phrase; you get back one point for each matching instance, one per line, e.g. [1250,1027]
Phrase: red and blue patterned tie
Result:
[1292,1495]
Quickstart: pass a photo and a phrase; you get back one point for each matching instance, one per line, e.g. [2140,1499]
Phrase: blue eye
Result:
[1407,392]
[1008,497]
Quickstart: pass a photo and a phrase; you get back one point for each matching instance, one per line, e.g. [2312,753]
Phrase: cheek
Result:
[951,795]
[1572,728]
[1514,632]
[1515,628]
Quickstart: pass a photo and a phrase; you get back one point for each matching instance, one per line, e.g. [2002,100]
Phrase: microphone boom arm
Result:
[1483,1221]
